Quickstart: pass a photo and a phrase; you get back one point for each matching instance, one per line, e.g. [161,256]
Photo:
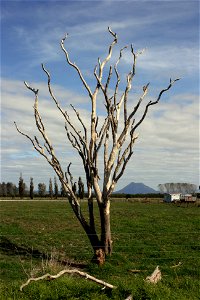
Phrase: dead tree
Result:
[115,138]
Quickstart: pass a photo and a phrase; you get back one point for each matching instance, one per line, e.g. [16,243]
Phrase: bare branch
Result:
[129,81]
[53,162]
[155,276]
[145,91]
[70,174]
[117,74]
[108,79]
[102,127]
[110,50]
[106,148]
[153,103]
[164,90]
[80,120]
[124,96]
[38,119]
[82,140]
[40,149]
[64,113]
[102,134]
[102,65]
[99,83]
[67,271]
[51,92]
[96,124]
[35,140]
[123,160]
[113,34]
[30,88]
[75,66]
[47,148]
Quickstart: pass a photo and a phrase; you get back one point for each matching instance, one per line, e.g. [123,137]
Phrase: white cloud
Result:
[168,61]
[88,30]
[167,148]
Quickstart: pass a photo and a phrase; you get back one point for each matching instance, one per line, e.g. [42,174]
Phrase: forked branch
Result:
[153,103]
[101,68]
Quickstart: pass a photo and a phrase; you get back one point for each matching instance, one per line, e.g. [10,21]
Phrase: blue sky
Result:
[167,149]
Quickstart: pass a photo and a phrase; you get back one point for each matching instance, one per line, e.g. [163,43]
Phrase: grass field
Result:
[35,235]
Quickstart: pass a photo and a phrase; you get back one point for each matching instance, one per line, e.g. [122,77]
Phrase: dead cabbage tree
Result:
[116,140]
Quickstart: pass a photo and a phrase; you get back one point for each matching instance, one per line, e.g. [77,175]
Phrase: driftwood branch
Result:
[130,297]
[177,265]
[66,271]
[155,276]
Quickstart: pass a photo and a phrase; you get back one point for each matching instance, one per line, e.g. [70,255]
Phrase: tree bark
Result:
[105,228]
[105,245]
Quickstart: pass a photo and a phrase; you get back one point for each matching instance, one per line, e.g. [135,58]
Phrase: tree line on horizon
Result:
[9,189]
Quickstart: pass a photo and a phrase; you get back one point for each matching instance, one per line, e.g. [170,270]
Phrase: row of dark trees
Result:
[9,189]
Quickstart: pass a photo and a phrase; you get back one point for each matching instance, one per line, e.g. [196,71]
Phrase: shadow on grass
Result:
[9,248]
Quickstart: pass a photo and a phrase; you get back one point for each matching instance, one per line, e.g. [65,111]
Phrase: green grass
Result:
[144,234]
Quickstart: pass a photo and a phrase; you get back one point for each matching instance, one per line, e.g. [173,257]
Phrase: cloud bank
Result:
[168,146]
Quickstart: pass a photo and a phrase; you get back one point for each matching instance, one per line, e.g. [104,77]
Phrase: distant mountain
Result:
[136,188]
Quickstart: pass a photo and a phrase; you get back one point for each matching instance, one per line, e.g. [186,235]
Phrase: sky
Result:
[167,149]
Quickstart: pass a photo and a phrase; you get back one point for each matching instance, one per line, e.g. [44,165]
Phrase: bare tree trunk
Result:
[88,228]
[105,244]
[102,246]
[91,207]
[105,228]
